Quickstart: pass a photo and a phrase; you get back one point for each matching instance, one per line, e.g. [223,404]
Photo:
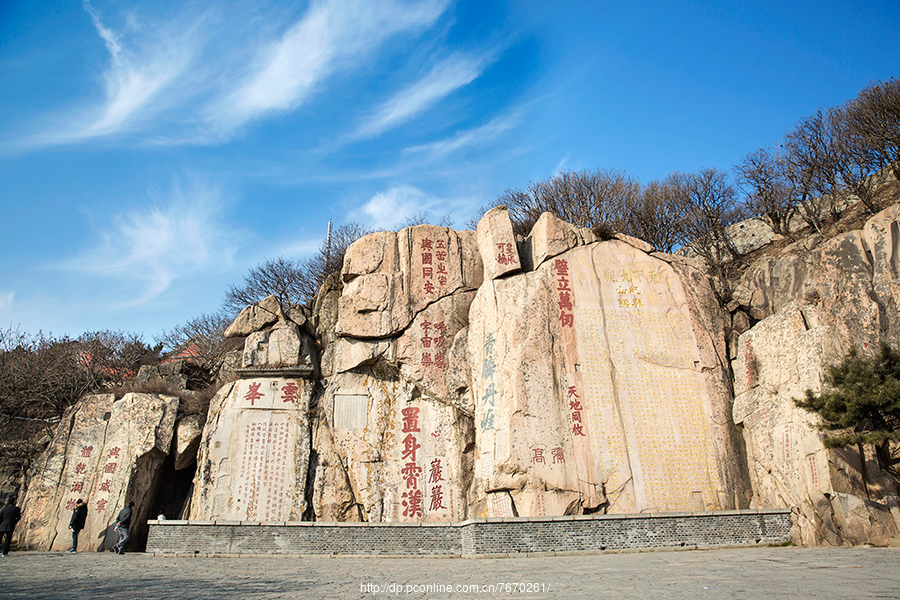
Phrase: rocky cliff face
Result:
[813,302]
[106,452]
[449,375]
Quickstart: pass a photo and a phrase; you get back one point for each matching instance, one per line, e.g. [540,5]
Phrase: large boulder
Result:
[612,403]
[837,500]
[405,454]
[254,453]
[107,452]
[389,278]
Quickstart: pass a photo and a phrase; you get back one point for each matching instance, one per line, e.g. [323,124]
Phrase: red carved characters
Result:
[411,471]
[506,255]
[435,341]
[566,301]
[289,392]
[576,408]
[253,394]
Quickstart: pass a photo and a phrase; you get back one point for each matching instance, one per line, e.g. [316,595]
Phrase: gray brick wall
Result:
[478,537]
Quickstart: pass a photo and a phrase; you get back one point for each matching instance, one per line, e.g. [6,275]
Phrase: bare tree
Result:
[762,176]
[293,281]
[858,160]
[810,161]
[589,199]
[711,205]
[204,338]
[874,118]
[657,215]
[40,375]
[276,276]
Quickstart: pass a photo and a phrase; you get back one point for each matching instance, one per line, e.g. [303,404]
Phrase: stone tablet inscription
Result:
[350,411]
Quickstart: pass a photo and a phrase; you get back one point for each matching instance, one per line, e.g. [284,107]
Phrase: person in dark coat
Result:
[76,524]
[9,516]
[123,525]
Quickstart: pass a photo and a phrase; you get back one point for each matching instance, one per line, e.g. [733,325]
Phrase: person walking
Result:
[123,525]
[9,516]
[76,523]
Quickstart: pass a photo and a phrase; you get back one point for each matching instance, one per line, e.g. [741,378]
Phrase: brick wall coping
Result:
[474,537]
[614,516]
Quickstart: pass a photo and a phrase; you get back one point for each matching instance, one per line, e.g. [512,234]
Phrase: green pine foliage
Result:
[864,396]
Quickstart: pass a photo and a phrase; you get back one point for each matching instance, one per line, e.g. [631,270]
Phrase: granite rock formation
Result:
[446,375]
[814,302]
[107,452]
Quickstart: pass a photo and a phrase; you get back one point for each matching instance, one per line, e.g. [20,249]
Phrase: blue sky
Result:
[151,153]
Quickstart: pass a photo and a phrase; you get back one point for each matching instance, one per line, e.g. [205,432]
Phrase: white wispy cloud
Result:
[142,64]
[198,75]
[472,137]
[143,251]
[388,208]
[561,165]
[6,299]
[444,78]
[332,35]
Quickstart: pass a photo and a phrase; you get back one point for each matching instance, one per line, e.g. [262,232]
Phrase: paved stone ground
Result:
[752,573]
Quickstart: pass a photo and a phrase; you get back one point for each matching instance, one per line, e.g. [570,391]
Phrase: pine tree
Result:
[863,395]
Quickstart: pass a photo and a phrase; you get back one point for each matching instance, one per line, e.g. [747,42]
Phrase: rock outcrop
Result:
[814,302]
[107,452]
[446,375]
[254,452]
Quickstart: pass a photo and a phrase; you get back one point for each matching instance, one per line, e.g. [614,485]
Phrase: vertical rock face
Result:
[458,375]
[816,301]
[403,453]
[395,411]
[254,452]
[106,452]
[609,403]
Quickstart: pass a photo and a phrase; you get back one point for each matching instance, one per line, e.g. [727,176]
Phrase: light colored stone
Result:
[256,317]
[549,237]
[285,345]
[778,360]
[423,351]
[254,453]
[383,296]
[635,242]
[881,236]
[833,284]
[188,431]
[618,360]
[106,452]
[405,462]
[497,244]
[373,253]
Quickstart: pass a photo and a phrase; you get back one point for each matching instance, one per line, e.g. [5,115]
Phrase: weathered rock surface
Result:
[389,278]
[497,244]
[458,375]
[778,360]
[254,453]
[610,403]
[816,301]
[188,431]
[263,314]
[404,454]
[106,452]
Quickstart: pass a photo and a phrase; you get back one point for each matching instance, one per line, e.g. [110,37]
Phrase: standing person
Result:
[9,516]
[123,524]
[76,524]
